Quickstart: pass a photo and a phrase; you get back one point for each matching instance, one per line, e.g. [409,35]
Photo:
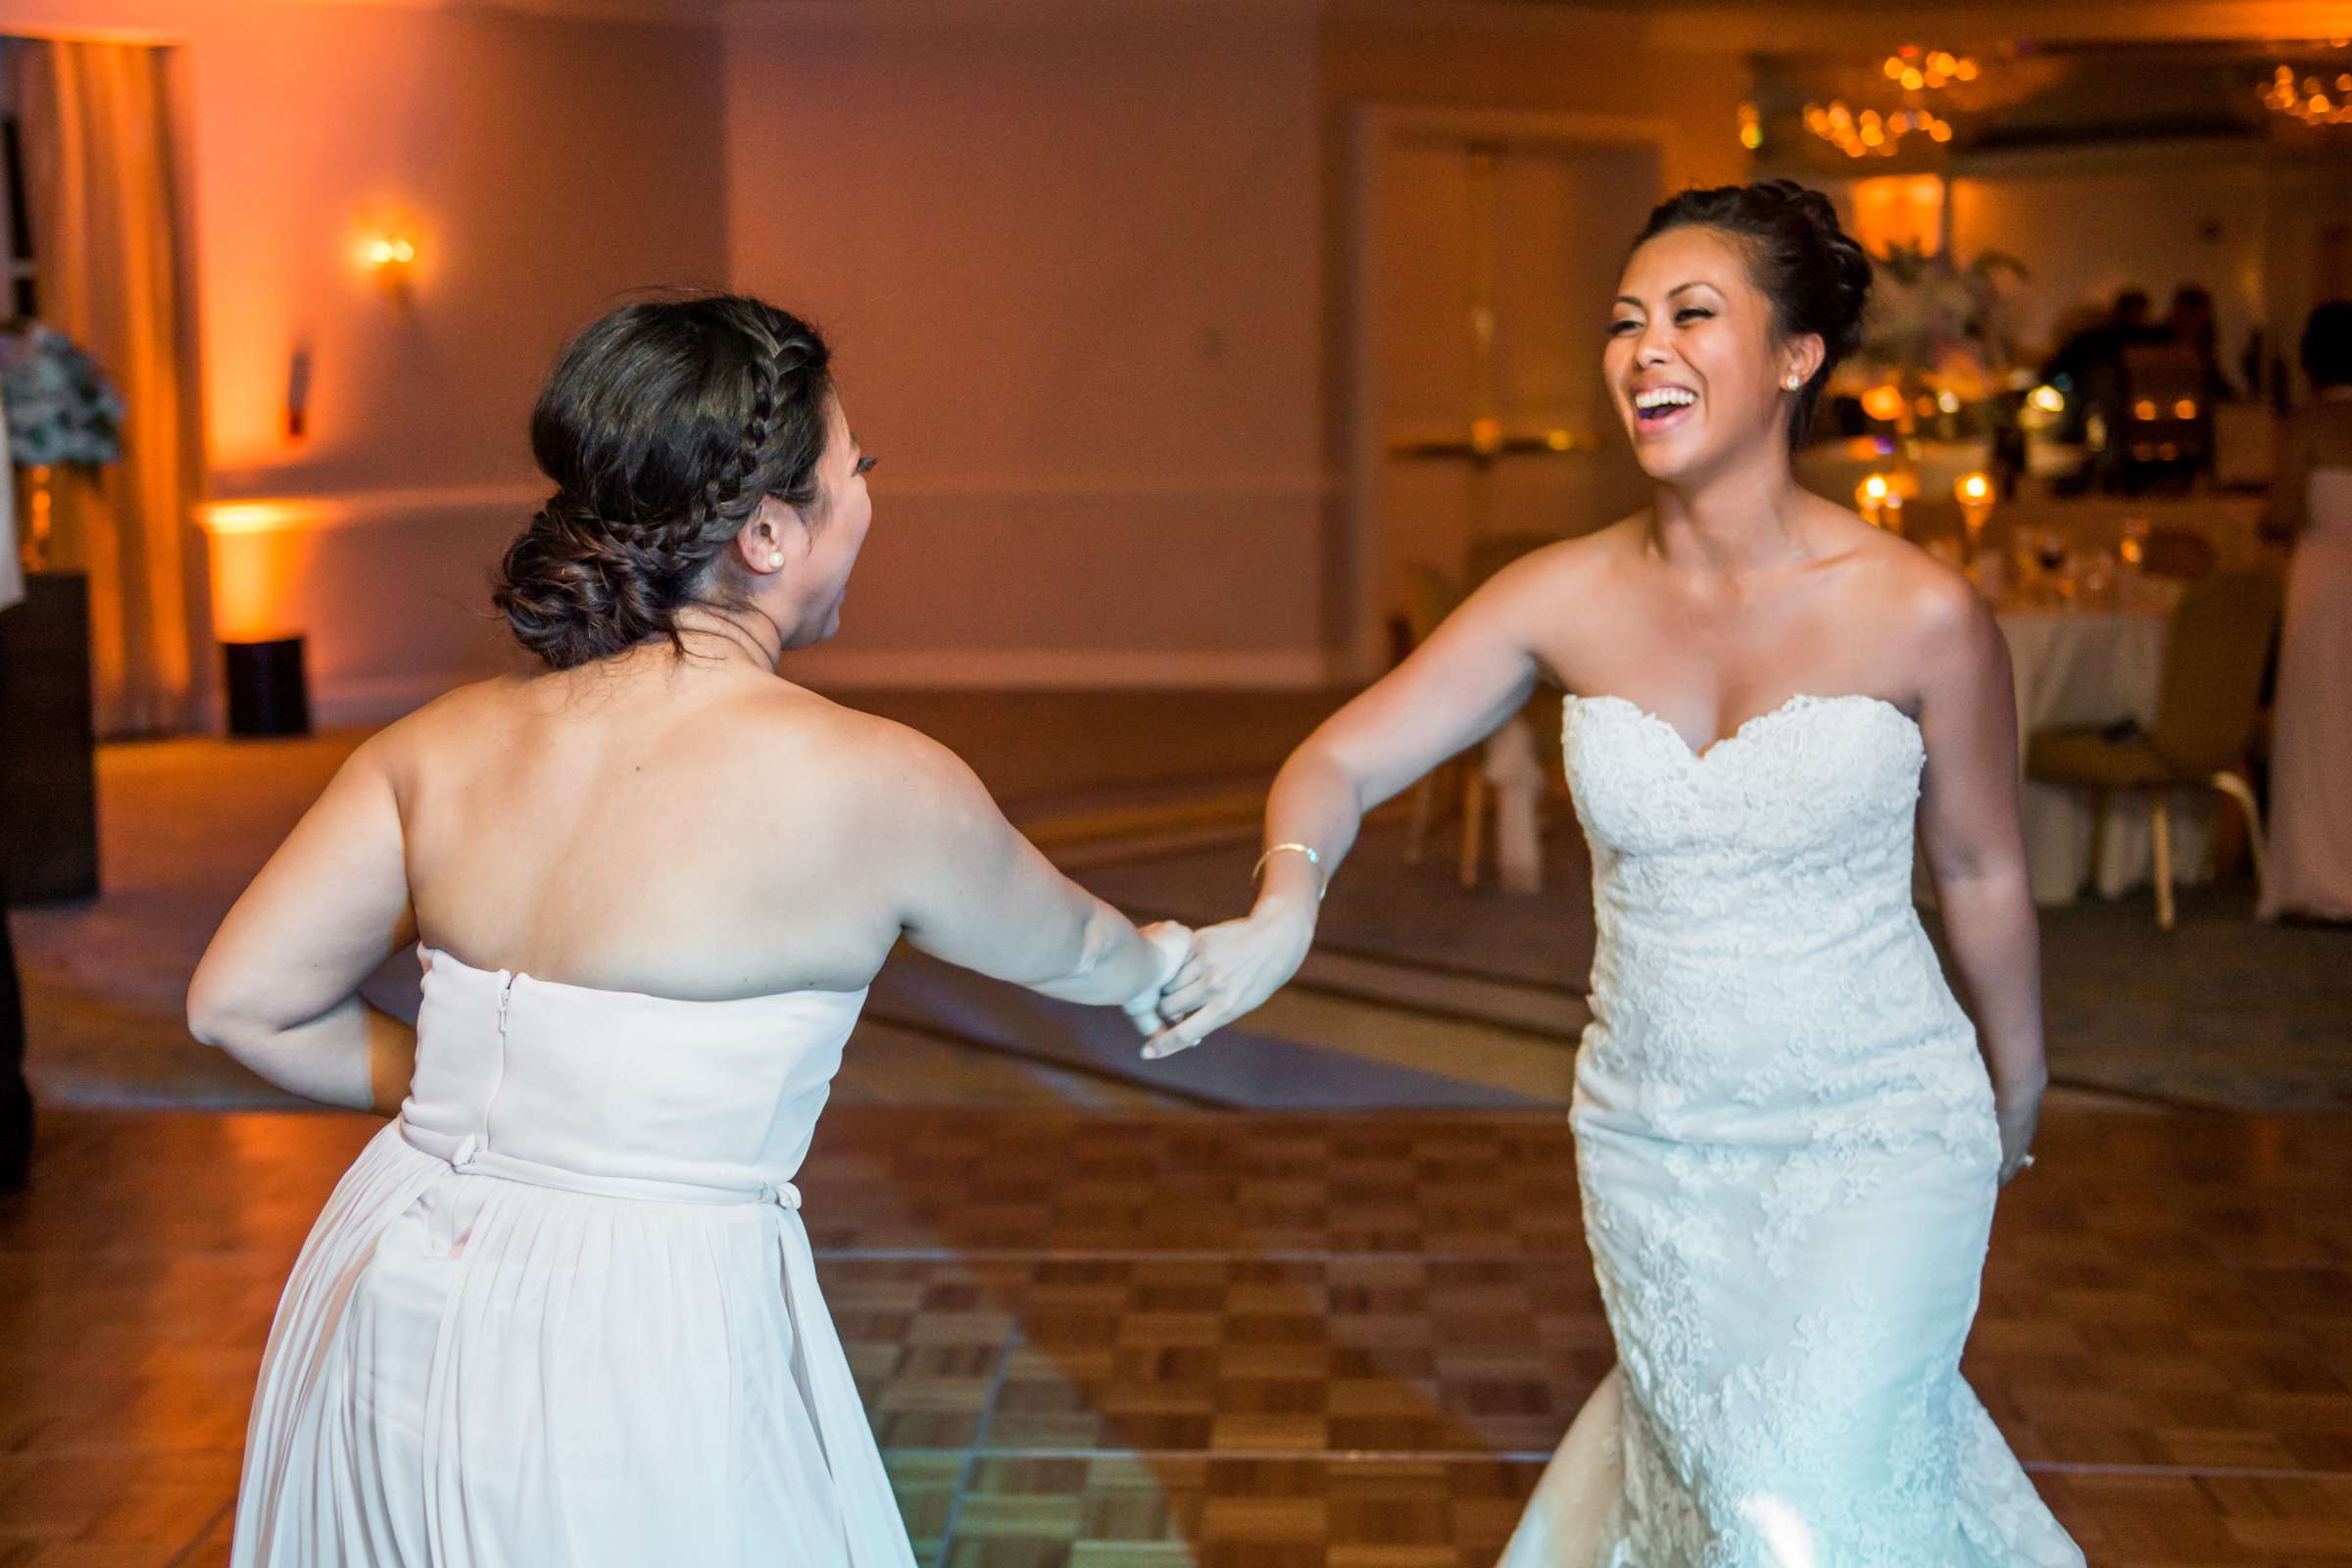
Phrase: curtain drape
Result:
[102,182]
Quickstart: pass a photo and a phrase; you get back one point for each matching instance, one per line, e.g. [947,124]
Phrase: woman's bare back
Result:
[697,832]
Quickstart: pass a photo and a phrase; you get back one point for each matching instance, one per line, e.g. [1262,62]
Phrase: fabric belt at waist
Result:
[468,1157]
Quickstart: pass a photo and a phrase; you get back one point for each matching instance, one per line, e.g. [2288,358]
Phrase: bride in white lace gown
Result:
[563,1308]
[1789,1134]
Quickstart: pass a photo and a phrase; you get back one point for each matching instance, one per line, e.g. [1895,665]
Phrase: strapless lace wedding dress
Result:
[1788,1155]
[564,1310]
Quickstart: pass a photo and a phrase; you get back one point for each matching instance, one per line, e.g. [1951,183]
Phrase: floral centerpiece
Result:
[62,412]
[1936,327]
[1920,403]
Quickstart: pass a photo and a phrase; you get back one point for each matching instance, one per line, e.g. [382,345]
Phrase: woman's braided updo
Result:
[1801,258]
[663,426]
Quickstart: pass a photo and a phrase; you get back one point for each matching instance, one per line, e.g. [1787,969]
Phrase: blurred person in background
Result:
[2310,871]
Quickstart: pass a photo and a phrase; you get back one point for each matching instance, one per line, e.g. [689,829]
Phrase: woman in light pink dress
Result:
[2310,872]
[562,1309]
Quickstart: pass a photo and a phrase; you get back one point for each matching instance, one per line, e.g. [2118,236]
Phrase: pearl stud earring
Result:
[776,561]
[1793,382]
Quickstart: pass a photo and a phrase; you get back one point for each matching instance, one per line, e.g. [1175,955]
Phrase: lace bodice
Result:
[1757,941]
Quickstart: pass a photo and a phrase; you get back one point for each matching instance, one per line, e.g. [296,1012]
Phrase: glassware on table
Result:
[2050,549]
[2095,579]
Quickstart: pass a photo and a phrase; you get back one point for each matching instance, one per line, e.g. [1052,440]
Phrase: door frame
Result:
[1376,128]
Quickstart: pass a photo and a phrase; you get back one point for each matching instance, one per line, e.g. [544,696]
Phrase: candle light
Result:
[1872,496]
[1973,492]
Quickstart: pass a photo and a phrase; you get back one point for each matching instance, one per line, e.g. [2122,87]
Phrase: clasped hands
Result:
[1213,976]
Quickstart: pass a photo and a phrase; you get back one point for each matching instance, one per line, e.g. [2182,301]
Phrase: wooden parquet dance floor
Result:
[1245,1342]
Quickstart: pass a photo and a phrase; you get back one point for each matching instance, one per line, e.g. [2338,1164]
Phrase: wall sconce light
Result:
[388,255]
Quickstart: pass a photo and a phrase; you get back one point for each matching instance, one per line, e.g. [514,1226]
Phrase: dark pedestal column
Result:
[48,765]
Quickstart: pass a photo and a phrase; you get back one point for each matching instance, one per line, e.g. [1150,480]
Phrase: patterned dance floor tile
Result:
[1095,1339]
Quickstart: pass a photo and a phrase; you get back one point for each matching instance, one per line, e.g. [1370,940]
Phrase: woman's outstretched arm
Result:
[974,891]
[1457,688]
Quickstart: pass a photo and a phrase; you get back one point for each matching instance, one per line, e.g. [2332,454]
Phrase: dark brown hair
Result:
[1799,257]
[663,426]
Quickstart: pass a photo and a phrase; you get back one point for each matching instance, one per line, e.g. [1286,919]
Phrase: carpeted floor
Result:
[2219,1011]
[1420,992]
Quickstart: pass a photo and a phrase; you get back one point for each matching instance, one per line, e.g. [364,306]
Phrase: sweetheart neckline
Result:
[1797,703]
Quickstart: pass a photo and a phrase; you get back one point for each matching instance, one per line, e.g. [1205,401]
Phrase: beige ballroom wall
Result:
[1068,258]
[1087,270]
[542,167]
[1081,264]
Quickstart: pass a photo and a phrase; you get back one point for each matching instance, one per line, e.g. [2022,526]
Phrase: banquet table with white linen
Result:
[2090,667]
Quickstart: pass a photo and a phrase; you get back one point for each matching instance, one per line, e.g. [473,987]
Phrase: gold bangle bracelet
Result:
[1314,858]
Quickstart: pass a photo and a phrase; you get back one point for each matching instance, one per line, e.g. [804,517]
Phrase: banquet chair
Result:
[1431,596]
[2207,705]
[1540,718]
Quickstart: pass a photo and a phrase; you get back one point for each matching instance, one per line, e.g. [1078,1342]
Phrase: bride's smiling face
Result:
[1696,363]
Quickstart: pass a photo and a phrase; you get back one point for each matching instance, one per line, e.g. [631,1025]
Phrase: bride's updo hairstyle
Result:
[662,428]
[1800,258]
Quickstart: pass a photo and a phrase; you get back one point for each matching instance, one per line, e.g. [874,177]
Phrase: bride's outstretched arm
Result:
[1975,851]
[1457,688]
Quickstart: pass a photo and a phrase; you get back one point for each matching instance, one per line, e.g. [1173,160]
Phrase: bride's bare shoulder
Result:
[1570,564]
[1912,601]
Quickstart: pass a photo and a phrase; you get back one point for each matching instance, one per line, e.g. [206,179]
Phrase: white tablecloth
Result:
[2091,668]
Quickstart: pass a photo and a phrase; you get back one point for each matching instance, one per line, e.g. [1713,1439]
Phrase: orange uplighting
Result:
[2144,409]
[1874,490]
[259,550]
[254,517]
[1899,209]
[1973,489]
[2186,409]
[1884,401]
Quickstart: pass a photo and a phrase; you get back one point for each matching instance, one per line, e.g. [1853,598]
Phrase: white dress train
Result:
[1788,1153]
[563,1309]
